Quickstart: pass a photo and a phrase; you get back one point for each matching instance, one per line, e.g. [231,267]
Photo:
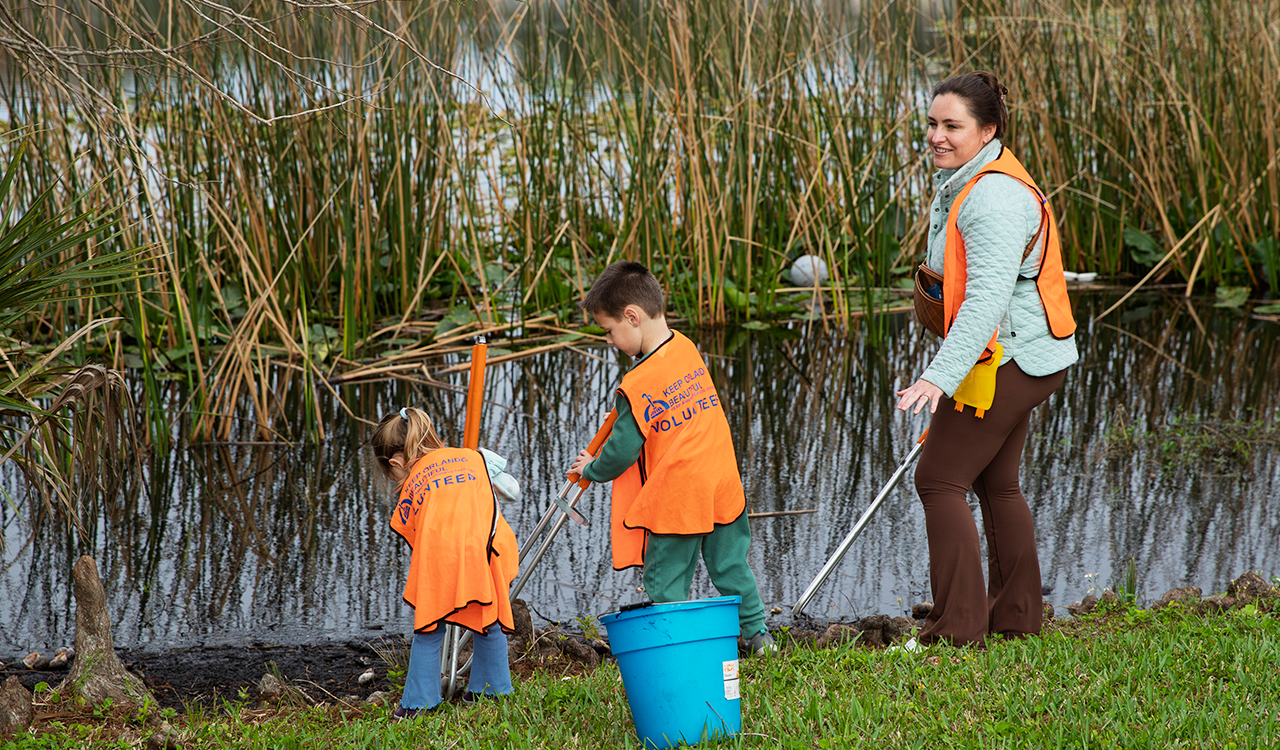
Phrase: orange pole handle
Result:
[922,435]
[475,396]
[594,447]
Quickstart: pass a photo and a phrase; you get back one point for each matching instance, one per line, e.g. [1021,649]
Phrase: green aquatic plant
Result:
[59,261]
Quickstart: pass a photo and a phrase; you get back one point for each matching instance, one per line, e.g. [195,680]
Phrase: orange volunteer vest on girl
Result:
[686,480]
[464,553]
[1050,281]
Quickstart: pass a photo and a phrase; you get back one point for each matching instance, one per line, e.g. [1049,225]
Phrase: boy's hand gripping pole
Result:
[562,503]
[825,573]
[562,497]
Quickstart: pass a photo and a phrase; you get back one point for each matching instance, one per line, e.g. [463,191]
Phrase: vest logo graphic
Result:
[655,409]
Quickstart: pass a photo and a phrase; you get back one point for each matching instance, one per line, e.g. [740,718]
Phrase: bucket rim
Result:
[714,601]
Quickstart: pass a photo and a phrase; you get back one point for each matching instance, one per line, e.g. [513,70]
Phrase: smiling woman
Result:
[1008,337]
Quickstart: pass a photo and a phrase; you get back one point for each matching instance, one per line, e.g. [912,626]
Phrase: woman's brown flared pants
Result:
[963,451]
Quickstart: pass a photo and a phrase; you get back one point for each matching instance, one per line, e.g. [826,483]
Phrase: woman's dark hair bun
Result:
[984,95]
[990,79]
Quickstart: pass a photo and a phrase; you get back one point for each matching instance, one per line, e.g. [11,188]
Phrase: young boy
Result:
[676,488]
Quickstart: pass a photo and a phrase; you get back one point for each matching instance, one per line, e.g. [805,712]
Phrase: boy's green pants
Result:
[670,561]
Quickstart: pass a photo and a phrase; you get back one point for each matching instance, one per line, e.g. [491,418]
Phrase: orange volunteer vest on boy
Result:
[686,479]
[1050,281]
[464,553]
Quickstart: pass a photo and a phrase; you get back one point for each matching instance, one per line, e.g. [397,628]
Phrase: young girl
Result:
[463,554]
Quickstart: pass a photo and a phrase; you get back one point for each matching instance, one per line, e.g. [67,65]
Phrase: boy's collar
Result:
[645,355]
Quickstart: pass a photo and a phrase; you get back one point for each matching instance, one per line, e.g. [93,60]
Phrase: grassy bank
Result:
[1125,677]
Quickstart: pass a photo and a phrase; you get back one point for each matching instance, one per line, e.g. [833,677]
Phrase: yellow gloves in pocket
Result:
[978,389]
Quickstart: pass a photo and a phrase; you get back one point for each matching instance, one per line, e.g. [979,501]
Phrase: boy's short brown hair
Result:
[625,283]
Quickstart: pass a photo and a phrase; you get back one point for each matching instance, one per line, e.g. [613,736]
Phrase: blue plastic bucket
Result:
[679,664]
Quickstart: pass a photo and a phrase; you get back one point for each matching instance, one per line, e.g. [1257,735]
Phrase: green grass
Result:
[1129,678]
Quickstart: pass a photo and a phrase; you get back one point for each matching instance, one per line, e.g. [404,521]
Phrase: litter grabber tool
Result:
[575,481]
[827,569]
[454,636]
[562,500]
[562,503]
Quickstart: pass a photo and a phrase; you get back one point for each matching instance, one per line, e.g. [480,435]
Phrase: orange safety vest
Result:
[1050,281]
[464,553]
[686,480]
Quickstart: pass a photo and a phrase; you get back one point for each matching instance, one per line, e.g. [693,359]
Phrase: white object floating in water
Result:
[808,268]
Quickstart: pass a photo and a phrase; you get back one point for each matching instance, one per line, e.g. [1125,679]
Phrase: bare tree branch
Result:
[64,66]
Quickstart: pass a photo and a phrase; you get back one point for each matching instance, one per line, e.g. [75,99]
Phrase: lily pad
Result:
[1232,296]
[1142,247]
[458,315]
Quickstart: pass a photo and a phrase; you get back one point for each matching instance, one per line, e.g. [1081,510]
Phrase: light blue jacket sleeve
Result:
[505,486]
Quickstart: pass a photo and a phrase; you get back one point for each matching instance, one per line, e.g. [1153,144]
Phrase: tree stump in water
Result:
[97,674]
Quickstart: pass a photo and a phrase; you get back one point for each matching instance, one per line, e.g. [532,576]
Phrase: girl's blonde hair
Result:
[409,430]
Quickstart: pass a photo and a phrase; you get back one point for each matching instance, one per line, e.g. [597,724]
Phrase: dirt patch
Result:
[207,675]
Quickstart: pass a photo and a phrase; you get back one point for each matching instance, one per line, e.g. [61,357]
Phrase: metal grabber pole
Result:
[562,504]
[470,439]
[835,559]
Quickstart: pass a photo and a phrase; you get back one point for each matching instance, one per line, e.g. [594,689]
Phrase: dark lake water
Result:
[1155,448]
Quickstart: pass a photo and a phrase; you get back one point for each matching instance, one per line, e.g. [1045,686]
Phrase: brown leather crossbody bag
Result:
[929,307]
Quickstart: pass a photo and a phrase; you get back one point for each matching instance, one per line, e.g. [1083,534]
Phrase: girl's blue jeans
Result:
[490,672]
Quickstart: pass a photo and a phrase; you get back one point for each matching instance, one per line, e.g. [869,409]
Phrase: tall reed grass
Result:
[313,187]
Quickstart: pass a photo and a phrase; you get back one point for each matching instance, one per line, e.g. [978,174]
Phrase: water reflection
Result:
[243,541]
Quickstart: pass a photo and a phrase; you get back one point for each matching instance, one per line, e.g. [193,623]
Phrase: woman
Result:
[993,239]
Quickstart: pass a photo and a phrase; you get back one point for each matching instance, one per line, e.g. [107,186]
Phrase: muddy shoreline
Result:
[324,670]
[330,670]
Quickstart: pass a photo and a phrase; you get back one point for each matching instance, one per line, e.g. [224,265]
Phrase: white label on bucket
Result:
[731,689]
[731,669]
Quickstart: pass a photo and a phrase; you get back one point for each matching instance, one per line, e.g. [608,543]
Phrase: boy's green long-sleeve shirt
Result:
[670,561]
[624,445]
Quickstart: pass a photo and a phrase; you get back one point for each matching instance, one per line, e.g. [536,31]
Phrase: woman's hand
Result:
[580,463]
[920,393]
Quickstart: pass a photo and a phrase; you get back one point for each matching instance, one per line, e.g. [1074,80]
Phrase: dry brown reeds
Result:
[317,188]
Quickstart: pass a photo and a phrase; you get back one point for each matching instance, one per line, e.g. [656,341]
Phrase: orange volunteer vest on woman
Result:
[686,479]
[1050,281]
[464,553]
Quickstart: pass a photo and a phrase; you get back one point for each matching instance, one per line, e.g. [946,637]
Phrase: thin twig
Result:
[775,513]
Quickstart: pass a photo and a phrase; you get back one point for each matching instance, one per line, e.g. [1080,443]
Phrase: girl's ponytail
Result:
[420,436]
[409,431]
